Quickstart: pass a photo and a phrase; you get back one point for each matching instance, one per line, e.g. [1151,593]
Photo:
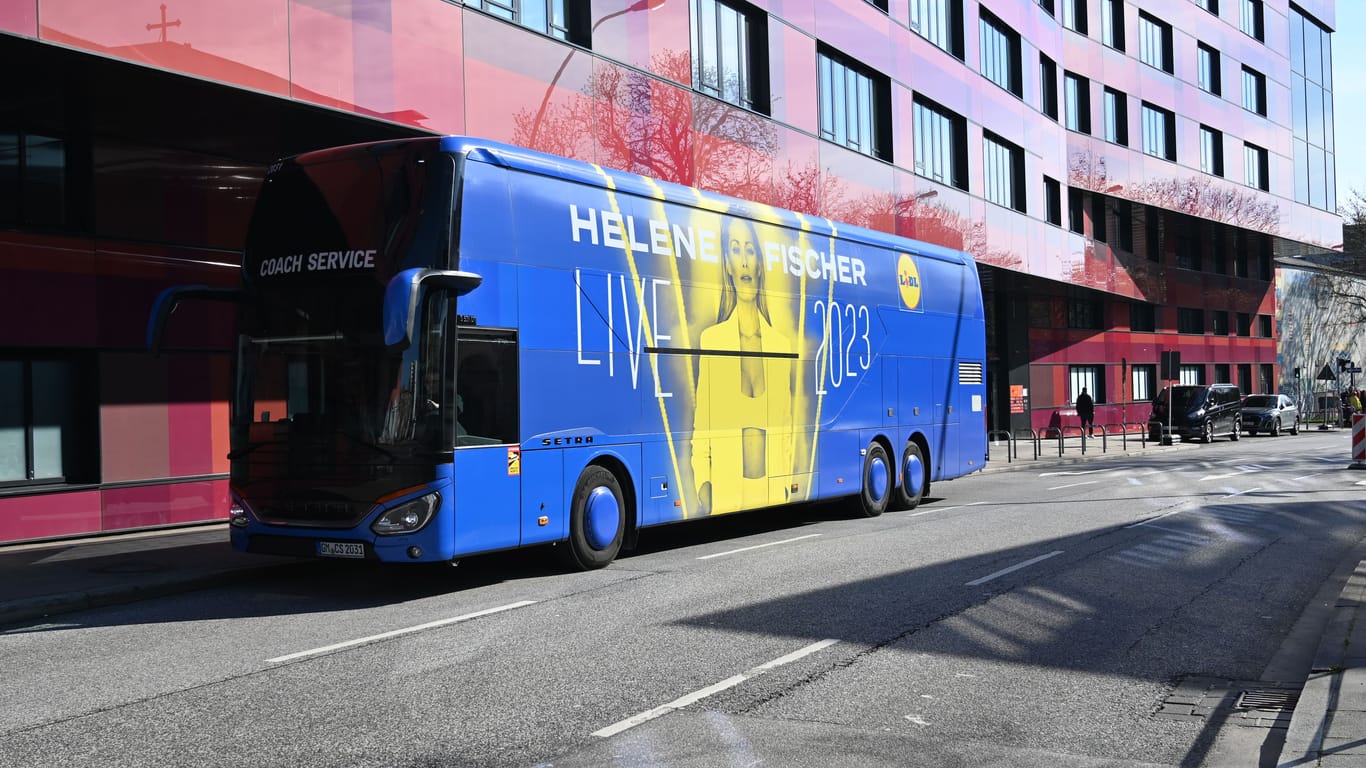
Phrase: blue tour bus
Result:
[450,346]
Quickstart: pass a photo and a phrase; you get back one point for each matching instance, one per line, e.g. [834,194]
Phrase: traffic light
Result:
[1297,373]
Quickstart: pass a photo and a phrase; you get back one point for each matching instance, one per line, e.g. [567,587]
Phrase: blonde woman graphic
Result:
[742,454]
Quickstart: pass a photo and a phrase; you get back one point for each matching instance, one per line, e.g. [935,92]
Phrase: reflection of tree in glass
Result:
[646,125]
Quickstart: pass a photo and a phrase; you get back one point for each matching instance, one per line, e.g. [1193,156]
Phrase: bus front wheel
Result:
[878,479]
[597,520]
[912,487]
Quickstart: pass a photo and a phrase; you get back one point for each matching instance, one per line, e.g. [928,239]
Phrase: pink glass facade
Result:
[625,100]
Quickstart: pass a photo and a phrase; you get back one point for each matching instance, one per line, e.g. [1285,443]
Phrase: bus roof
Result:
[541,163]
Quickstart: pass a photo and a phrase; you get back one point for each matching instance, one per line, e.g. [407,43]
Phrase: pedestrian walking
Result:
[1086,411]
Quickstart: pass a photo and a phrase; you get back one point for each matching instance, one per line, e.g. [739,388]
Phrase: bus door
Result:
[488,470]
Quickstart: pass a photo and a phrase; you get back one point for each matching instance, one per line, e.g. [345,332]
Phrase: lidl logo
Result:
[908,281]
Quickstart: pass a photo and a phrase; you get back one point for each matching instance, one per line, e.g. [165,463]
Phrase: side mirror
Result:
[403,296]
[169,298]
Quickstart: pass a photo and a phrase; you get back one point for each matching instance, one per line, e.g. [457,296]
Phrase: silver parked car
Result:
[1270,413]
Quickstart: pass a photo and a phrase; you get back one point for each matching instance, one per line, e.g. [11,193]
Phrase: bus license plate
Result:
[341,549]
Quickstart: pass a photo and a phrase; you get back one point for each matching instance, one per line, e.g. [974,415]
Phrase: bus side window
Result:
[486,387]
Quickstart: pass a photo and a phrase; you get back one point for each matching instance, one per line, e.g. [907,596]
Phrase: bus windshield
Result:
[314,376]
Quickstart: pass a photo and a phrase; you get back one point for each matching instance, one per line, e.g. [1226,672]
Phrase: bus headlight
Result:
[407,517]
[237,514]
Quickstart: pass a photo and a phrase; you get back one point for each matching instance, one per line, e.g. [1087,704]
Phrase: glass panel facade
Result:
[1311,99]
[940,22]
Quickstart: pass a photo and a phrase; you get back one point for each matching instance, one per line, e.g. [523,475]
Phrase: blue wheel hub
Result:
[877,479]
[601,517]
[913,472]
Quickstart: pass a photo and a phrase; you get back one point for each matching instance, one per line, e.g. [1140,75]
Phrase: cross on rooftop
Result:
[164,24]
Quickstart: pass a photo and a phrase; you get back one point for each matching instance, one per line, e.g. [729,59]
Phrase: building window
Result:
[1256,167]
[1100,221]
[1088,377]
[1152,234]
[1074,15]
[1124,224]
[1187,244]
[730,49]
[1048,86]
[1311,103]
[1264,326]
[940,143]
[46,435]
[1047,5]
[563,19]
[1076,211]
[1159,132]
[1116,117]
[1142,317]
[1244,324]
[1210,5]
[1085,313]
[1265,381]
[940,22]
[1254,91]
[1251,20]
[855,105]
[1000,53]
[1112,23]
[1143,378]
[1245,377]
[1191,375]
[33,187]
[1052,201]
[1155,43]
[1003,169]
[1076,92]
[1219,322]
[1221,374]
[1209,71]
[881,5]
[1211,151]
[1190,320]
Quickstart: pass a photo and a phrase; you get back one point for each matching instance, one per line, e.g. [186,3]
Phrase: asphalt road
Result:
[1038,617]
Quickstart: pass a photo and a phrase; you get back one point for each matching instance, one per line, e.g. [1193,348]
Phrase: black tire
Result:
[597,521]
[1237,430]
[1207,432]
[914,482]
[1276,428]
[878,481]
[1295,430]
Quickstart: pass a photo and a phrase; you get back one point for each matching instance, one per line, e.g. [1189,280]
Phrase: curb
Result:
[1333,682]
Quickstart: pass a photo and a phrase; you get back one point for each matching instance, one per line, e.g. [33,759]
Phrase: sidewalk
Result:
[1328,726]
[50,578]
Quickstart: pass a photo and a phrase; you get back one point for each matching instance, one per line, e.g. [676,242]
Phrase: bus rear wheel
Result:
[912,487]
[878,479]
[597,520]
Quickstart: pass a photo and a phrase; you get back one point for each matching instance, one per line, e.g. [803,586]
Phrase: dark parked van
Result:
[1203,411]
